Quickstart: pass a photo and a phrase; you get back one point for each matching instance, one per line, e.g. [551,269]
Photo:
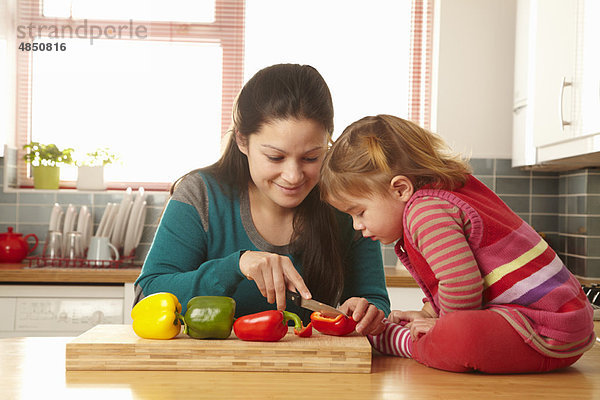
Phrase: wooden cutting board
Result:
[117,347]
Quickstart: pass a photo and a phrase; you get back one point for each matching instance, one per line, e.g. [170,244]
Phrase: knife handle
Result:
[293,297]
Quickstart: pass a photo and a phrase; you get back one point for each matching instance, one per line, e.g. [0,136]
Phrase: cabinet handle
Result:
[563,123]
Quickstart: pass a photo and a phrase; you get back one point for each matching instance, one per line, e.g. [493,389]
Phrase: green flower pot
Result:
[46,177]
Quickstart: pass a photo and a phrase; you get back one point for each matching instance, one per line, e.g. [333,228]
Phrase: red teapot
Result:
[14,247]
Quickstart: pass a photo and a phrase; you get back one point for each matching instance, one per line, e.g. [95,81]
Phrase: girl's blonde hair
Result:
[374,149]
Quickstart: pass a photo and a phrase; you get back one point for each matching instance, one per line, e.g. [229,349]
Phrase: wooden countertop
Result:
[19,273]
[35,368]
[394,277]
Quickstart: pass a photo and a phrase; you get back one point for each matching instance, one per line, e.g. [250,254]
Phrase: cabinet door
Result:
[588,75]
[554,55]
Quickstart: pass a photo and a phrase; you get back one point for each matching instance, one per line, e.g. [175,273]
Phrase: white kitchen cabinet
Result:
[554,55]
[62,310]
[557,81]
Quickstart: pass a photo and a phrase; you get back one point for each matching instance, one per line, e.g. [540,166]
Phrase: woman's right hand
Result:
[273,274]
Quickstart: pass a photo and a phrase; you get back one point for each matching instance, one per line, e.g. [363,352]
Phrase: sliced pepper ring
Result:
[338,326]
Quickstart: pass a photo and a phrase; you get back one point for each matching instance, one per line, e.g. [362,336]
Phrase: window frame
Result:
[226,30]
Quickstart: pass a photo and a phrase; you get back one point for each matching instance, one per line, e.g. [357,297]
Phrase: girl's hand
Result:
[397,316]
[273,274]
[369,317]
[421,326]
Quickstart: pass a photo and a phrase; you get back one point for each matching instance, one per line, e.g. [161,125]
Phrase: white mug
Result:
[100,249]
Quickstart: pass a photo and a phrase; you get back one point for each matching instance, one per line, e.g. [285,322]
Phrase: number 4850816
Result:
[42,46]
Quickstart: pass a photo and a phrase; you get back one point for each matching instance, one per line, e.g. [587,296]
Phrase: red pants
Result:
[481,340]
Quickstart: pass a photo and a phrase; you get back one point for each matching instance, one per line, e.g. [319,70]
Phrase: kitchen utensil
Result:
[53,245]
[14,247]
[117,347]
[74,247]
[100,249]
[313,305]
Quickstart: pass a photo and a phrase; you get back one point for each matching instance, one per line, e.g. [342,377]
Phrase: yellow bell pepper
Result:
[157,316]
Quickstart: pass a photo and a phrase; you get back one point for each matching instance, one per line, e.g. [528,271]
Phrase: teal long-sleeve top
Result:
[201,234]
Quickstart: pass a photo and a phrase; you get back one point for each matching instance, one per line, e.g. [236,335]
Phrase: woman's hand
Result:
[369,317]
[273,274]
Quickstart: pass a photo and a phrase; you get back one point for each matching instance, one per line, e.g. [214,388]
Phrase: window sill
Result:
[68,190]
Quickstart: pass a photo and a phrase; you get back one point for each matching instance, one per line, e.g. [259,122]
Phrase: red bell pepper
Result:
[305,332]
[338,326]
[266,326]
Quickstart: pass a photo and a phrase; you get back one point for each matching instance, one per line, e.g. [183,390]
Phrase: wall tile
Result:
[77,199]
[544,204]
[593,204]
[482,166]
[512,185]
[562,185]
[34,214]
[576,205]
[593,247]
[545,186]
[593,226]
[8,214]
[504,168]
[593,182]
[576,225]
[519,204]
[592,268]
[576,184]
[8,198]
[544,223]
[42,198]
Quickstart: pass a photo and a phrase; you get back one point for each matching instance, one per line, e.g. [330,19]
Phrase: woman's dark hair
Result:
[278,92]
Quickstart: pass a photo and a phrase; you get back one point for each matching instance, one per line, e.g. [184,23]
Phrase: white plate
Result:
[89,230]
[117,236]
[84,225]
[110,221]
[55,218]
[133,228]
[103,220]
[83,211]
[140,226]
[69,225]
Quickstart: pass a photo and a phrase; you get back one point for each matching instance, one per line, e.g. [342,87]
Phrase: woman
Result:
[252,225]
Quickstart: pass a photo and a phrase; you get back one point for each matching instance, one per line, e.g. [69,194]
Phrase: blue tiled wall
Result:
[565,207]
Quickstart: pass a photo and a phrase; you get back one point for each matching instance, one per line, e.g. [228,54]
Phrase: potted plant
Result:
[90,169]
[46,160]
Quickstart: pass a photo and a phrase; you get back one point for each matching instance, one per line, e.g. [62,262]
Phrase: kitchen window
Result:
[155,81]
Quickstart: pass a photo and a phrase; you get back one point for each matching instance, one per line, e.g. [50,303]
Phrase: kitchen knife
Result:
[313,305]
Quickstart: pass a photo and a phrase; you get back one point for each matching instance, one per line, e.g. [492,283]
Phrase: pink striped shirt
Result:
[468,251]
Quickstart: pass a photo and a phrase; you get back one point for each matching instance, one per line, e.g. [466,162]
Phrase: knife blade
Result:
[313,305]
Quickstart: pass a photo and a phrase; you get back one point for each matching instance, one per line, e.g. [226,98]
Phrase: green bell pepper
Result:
[209,317]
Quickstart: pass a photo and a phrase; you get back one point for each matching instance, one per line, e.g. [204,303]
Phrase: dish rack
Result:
[39,262]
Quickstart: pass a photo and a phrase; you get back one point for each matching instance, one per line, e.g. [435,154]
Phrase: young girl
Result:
[253,224]
[499,300]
